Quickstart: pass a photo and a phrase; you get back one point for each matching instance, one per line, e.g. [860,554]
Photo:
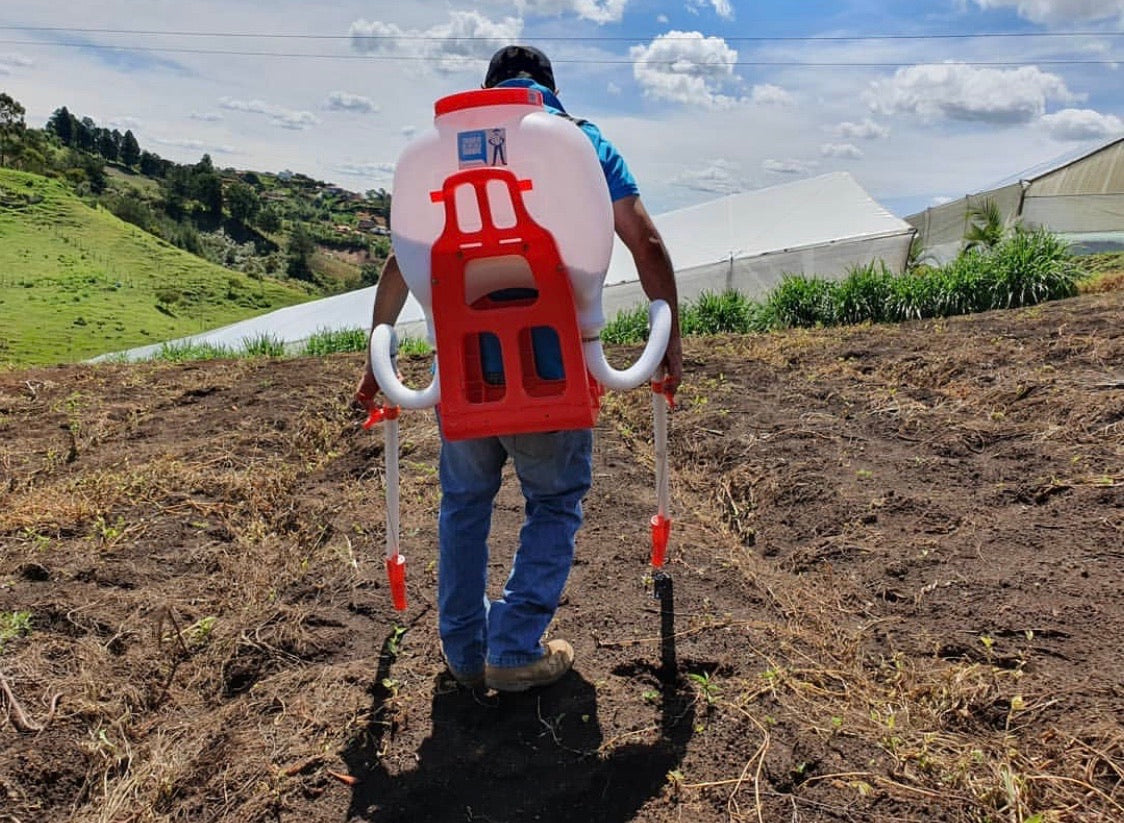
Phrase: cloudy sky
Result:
[920,101]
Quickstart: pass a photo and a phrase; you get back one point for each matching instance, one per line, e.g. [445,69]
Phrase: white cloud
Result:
[1055,12]
[345,101]
[662,19]
[9,62]
[124,124]
[466,42]
[278,115]
[206,116]
[193,145]
[599,11]
[866,130]
[766,94]
[723,8]
[847,151]
[790,166]
[957,91]
[372,169]
[686,67]
[721,176]
[1081,124]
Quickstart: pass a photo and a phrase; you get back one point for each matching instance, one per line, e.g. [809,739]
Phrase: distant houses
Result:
[371,223]
[364,207]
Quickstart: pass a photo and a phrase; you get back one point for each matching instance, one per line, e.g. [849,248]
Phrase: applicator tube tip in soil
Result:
[395,561]
[396,574]
[661,529]
[660,522]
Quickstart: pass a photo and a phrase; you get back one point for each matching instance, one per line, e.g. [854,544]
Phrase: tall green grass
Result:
[331,341]
[1023,269]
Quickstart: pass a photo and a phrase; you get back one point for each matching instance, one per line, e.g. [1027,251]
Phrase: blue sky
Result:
[920,102]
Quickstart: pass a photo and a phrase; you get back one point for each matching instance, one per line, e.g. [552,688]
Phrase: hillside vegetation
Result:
[76,281]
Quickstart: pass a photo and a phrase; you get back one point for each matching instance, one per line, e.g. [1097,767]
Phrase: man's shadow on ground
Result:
[533,756]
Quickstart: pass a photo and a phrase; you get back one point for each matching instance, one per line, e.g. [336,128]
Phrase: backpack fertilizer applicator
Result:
[503,229]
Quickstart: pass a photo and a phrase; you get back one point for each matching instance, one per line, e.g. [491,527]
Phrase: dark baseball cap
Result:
[519,61]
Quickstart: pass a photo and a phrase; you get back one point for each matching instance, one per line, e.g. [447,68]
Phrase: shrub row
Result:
[1024,269]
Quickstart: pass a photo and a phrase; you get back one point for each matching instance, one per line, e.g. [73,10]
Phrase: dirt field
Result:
[896,593]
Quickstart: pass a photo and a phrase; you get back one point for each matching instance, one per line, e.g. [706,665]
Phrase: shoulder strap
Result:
[577,121]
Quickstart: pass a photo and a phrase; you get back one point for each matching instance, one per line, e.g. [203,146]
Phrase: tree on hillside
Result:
[94,167]
[62,125]
[85,134]
[243,201]
[12,126]
[107,147]
[269,220]
[301,246]
[130,149]
[177,190]
[32,152]
[151,165]
[206,187]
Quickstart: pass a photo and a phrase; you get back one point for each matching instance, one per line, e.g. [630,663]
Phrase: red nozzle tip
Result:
[378,414]
[661,530]
[374,418]
[660,387]
[396,574]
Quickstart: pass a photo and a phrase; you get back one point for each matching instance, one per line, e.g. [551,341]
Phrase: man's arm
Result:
[390,297]
[636,230]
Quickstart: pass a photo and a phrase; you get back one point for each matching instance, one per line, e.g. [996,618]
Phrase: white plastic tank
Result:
[569,197]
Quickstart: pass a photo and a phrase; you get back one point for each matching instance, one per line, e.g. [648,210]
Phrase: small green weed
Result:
[394,642]
[708,689]
[12,625]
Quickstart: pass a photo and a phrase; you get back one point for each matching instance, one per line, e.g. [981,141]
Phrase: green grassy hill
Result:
[76,282]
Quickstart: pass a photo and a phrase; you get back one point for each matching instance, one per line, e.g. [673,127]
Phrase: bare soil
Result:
[895,592]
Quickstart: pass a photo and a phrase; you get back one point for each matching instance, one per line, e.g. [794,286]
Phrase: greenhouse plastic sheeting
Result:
[1080,193]
[820,226]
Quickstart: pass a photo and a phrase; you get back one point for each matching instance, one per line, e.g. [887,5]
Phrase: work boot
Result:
[548,669]
[473,680]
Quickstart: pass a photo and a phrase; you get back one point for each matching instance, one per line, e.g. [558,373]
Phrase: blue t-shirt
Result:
[617,175]
[544,341]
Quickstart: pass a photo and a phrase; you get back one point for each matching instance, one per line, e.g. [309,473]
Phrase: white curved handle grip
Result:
[659,322]
[384,345]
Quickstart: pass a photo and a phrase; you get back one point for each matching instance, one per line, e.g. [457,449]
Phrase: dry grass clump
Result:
[976,738]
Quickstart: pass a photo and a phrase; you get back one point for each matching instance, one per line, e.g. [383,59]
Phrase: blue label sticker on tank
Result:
[472,148]
[483,147]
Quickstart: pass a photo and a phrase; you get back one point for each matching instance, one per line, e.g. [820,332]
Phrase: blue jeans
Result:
[554,470]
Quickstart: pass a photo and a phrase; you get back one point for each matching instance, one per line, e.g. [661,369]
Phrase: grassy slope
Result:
[77,282]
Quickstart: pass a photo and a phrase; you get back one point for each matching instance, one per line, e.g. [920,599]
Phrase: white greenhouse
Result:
[1079,196]
[820,226]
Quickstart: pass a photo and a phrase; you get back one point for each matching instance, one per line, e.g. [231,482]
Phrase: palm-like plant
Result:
[986,226]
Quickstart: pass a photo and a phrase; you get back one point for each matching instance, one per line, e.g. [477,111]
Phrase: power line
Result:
[581,61]
[574,38]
